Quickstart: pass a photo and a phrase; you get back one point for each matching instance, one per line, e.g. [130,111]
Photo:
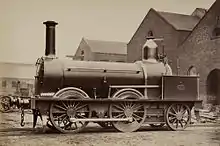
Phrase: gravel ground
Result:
[12,134]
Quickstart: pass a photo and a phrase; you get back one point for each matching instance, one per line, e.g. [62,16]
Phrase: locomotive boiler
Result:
[123,95]
[95,77]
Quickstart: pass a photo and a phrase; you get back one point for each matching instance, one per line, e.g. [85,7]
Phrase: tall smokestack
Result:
[50,38]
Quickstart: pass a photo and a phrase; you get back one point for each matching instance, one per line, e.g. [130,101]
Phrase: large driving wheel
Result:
[135,111]
[178,116]
[62,111]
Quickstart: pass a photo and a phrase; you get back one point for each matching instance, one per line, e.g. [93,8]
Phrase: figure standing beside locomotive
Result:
[126,95]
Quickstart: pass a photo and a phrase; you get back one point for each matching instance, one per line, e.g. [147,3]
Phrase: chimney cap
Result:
[150,44]
[50,23]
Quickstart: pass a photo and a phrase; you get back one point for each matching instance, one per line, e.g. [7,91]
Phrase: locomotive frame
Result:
[126,107]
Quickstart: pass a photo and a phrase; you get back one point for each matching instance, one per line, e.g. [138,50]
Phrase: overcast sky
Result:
[22,34]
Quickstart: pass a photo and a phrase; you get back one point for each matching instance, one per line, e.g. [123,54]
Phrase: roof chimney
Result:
[199,12]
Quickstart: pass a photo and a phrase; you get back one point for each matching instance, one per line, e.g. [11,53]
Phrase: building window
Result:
[192,71]
[14,84]
[216,31]
[150,33]
[4,84]
[82,55]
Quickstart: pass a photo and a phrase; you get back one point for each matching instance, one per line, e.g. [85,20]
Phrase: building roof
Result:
[17,70]
[180,21]
[217,2]
[110,47]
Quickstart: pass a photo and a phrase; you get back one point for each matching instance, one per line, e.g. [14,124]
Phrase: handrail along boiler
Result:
[121,95]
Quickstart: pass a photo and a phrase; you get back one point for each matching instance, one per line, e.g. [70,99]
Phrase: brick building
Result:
[193,39]
[16,77]
[97,50]
[201,49]
[172,27]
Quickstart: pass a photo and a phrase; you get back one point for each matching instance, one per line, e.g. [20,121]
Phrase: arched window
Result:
[150,33]
[192,71]
[216,30]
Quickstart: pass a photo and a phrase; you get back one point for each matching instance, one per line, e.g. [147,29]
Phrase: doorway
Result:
[213,87]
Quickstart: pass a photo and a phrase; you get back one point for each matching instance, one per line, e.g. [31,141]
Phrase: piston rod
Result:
[102,120]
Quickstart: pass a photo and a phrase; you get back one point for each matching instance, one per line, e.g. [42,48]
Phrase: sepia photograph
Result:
[110,73]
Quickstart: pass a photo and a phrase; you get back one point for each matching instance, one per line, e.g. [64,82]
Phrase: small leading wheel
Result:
[135,111]
[62,111]
[178,116]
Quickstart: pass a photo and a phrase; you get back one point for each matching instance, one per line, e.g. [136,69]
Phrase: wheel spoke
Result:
[119,116]
[64,104]
[80,107]
[76,105]
[118,107]
[75,125]
[174,110]
[182,109]
[123,106]
[184,120]
[170,113]
[135,108]
[174,121]
[60,107]
[177,121]
[60,116]
[81,122]
[181,123]
[172,118]
[130,104]
[137,116]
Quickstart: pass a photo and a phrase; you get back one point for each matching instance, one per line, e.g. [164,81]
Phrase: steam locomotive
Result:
[121,95]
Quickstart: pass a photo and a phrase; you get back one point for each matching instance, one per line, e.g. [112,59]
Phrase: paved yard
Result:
[11,134]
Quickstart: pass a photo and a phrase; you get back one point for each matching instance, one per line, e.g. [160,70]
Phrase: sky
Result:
[22,33]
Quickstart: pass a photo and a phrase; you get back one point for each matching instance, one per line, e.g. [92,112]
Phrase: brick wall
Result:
[153,22]
[201,49]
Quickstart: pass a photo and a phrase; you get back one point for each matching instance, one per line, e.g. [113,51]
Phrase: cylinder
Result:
[50,38]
